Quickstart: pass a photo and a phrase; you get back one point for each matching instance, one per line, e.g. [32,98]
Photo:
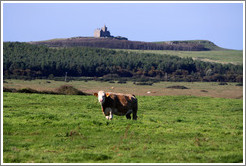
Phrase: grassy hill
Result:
[207,51]
[41,128]
[223,56]
[121,43]
[206,43]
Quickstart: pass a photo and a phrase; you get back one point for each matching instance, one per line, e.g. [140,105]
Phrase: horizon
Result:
[220,23]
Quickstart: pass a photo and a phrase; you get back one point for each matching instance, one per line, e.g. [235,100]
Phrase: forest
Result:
[39,61]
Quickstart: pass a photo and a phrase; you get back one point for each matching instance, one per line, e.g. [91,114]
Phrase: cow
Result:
[118,104]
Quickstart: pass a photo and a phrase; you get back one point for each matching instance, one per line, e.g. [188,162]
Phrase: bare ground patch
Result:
[210,89]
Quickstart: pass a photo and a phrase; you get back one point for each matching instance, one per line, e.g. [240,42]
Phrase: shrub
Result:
[64,90]
[27,90]
[223,83]
[69,90]
[121,82]
[9,89]
[143,83]
[239,84]
[177,87]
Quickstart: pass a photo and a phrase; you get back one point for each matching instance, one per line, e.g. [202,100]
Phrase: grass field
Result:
[170,129]
[220,56]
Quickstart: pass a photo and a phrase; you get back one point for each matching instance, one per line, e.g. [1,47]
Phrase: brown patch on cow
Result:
[123,103]
[120,104]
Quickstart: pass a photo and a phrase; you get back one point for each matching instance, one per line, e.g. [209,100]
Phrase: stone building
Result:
[103,32]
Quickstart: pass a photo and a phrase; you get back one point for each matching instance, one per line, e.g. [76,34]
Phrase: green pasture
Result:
[43,128]
[218,56]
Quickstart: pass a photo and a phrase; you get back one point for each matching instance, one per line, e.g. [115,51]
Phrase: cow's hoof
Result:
[108,117]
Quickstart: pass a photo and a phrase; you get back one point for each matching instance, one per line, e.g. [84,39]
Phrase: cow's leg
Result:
[134,113]
[135,110]
[128,114]
[110,117]
[135,116]
[109,113]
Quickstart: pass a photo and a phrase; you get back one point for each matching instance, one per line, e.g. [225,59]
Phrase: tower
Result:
[103,32]
[104,28]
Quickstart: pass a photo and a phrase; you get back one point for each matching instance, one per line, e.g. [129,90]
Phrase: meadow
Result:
[42,128]
[219,56]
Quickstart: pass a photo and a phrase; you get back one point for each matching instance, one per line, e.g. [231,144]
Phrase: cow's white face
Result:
[101,96]
[107,112]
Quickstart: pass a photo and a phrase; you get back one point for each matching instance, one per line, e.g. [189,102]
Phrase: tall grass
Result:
[72,129]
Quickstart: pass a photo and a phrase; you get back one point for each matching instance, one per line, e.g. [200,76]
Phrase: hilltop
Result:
[205,43]
[124,43]
[103,39]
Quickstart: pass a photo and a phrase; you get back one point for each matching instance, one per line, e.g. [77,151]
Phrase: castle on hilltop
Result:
[103,32]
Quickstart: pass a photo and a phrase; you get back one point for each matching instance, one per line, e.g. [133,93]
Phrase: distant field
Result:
[40,128]
[211,89]
[221,56]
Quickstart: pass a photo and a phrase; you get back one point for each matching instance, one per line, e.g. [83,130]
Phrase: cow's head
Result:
[101,96]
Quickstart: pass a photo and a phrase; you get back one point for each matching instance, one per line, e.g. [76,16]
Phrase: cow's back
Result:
[123,103]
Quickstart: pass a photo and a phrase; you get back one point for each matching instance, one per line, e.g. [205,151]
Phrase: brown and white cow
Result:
[118,104]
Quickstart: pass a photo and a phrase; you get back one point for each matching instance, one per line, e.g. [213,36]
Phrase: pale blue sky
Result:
[221,23]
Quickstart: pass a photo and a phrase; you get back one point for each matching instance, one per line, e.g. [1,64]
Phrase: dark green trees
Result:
[22,59]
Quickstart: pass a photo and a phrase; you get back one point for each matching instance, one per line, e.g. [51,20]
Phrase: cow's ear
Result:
[107,94]
[96,94]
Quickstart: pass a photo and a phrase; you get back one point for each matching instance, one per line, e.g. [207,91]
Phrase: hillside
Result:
[122,43]
[205,43]
[223,56]
[203,50]
[22,59]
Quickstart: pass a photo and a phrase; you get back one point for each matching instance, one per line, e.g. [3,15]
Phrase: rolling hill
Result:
[203,50]
[122,43]
[205,43]
[223,56]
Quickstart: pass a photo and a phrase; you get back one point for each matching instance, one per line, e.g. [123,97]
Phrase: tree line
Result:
[35,61]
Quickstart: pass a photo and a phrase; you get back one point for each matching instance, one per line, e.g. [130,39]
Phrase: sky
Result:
[221,23]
